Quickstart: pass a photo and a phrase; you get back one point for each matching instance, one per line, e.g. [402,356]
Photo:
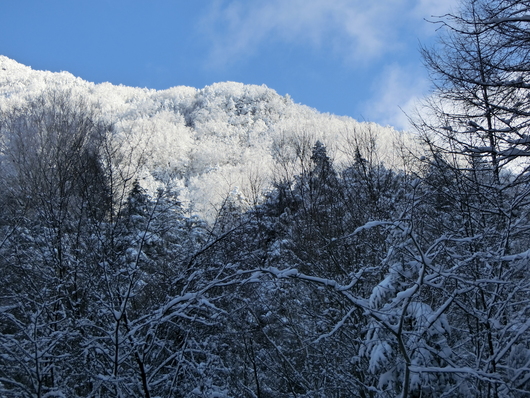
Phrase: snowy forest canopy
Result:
[226,242]
[208,143]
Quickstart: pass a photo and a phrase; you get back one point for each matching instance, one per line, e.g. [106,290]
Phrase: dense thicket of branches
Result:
[365,281]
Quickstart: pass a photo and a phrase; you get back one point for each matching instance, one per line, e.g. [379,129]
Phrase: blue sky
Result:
[348,57]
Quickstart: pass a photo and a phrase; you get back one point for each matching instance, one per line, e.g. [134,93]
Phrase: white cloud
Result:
[372,34]
[355,29]
[434,8]
[396,94]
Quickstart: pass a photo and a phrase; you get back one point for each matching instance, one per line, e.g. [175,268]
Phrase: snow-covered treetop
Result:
[206,141]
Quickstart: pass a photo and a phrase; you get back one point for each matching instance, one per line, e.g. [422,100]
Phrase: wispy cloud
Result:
[354,29]
[379,35]
[431,10]
[395,95]
[434,8]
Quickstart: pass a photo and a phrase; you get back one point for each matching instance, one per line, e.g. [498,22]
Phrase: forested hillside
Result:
[207,143]
[226,242]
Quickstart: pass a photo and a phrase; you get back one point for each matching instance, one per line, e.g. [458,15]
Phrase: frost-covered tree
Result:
[55,188]
[479,71]
[475,134]
[101,291]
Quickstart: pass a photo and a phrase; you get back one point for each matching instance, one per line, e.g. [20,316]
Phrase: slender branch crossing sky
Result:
[347,57]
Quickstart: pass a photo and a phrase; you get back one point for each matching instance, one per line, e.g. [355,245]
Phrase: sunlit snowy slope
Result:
[227,138]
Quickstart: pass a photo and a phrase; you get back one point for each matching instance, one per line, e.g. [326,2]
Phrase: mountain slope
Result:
[227,137]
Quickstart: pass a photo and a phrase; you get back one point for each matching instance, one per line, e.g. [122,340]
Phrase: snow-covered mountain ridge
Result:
[227,137]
